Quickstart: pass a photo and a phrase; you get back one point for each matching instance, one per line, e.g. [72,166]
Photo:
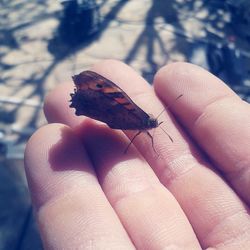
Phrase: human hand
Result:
[88,194]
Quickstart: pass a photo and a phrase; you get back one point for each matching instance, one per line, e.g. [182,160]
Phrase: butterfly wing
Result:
[101,99]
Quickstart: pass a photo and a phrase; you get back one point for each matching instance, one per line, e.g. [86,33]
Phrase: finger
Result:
[216,213]
[215,116]
[148,211]
[71,208]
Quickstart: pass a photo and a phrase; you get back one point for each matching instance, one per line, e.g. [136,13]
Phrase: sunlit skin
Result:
[88,194]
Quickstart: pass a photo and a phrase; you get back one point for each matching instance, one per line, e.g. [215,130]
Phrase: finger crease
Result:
[178,167]
[213,102]
[227,232]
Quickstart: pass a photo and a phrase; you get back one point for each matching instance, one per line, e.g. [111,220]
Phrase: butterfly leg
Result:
[152,141]
[126,150]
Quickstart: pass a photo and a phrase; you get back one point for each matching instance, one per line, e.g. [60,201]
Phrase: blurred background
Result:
[43,43]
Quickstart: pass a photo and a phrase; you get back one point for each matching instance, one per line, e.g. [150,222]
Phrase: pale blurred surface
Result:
[44,43]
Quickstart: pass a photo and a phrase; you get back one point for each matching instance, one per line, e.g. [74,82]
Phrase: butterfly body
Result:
[101,99]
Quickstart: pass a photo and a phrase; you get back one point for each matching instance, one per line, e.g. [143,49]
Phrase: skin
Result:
[88,194]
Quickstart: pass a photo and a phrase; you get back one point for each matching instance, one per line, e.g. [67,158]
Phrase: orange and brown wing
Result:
[101,99]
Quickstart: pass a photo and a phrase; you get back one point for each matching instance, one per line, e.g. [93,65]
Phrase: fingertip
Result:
[122,74]
[54,159]
[108,64]
[183,77]
[56,105]
[198,87]
[36,142]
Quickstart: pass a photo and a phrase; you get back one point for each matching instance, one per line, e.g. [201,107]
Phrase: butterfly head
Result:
[152,122]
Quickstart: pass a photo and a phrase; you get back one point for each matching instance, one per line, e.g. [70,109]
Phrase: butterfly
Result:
[99,98]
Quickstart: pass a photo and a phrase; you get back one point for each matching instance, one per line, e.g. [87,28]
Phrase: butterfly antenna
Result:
[171,139]
[160,114]
[167,107]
